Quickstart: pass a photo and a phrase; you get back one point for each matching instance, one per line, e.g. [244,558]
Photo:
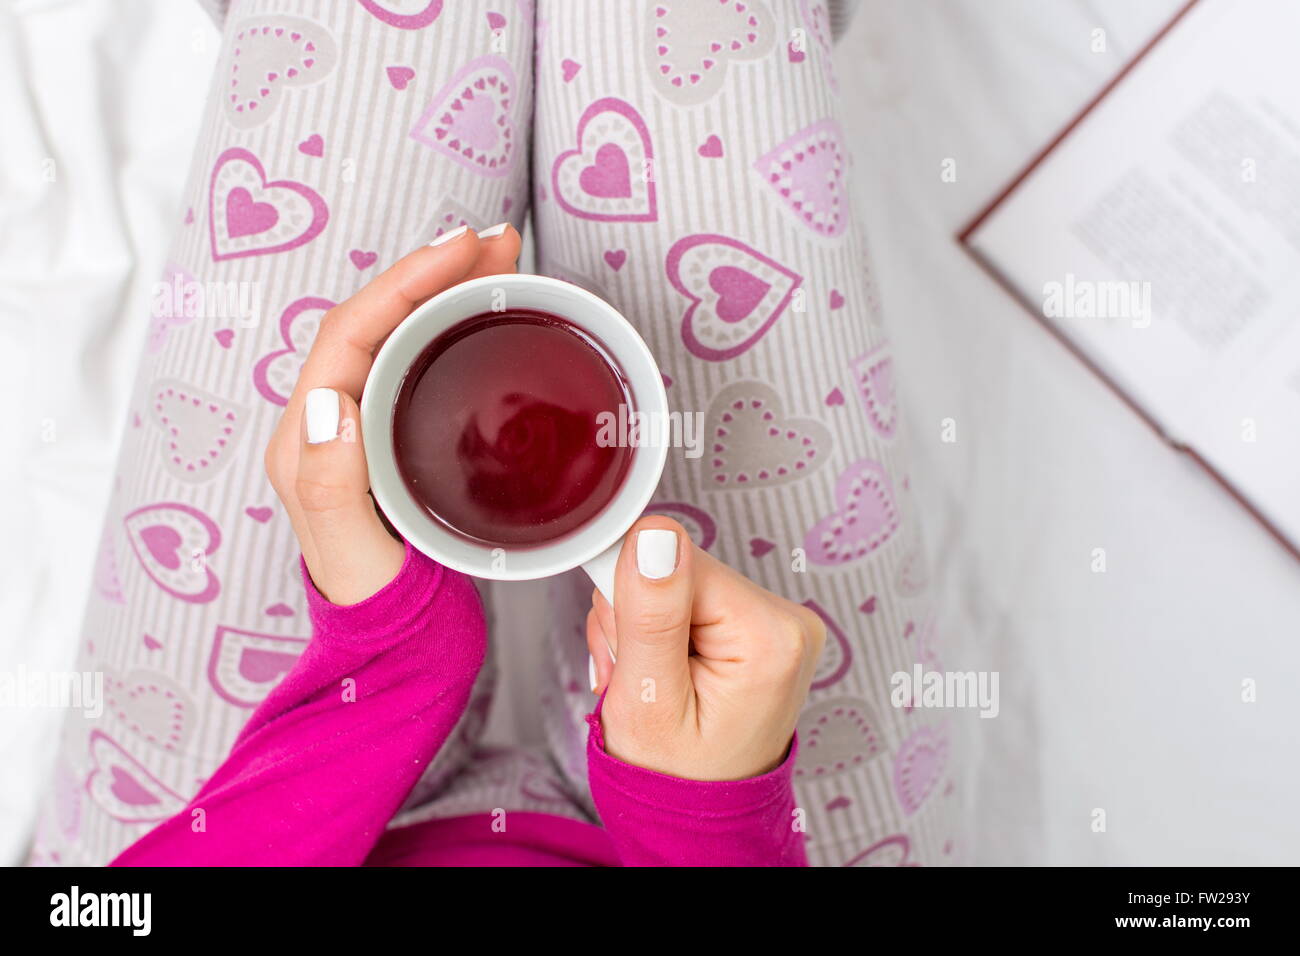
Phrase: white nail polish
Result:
[656,552]
[591,672]
[322,411]
[491,232]
[449,236]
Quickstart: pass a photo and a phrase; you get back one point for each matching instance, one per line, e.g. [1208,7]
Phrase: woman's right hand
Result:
[711,671]
[315,458]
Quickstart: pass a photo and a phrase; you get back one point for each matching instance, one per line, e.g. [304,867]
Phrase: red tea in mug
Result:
[496,425]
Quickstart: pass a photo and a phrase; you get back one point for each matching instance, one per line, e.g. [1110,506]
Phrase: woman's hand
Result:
[711,670]
[315,459]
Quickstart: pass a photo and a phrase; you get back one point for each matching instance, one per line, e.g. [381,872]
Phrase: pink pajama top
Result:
[329,757]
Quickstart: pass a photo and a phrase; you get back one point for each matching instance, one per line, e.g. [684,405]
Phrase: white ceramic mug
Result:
[595,545]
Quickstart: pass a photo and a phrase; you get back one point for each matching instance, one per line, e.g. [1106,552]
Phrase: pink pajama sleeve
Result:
[330,755]
[325,762]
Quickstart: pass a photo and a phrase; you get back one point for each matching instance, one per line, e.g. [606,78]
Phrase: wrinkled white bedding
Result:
[1120,691]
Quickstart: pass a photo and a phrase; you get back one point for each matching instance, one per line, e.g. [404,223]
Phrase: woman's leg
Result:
[337,136]
[689,166]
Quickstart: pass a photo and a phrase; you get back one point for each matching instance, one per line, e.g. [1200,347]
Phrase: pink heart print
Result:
[569,69]
[689,44]
[245,665]
[107,580]
[873,375]
[270,55]
[199,429]
[400,76]
[404,14]
[609,175]
[807,172]
[470,119]
[711,148]
[893,850]
[276,372]
[751,443]
[260,514]
[835,736]
[172,542]
[865,516]
[614,258]
[123,788]
[736,293]
[151,706]
[363,259]
[699,524]
[911,578]
[249,216]
[818,20]
[919,765]
[313,145]
[837,655]
[168,311]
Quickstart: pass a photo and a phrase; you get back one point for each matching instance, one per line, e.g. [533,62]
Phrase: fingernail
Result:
[591,672]
[449,236]
[322,411]
[491,232]
[656,552]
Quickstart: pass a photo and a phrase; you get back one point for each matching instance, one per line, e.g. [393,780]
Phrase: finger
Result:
[352,555]
[600,664]
[344,348]
[730,615]
[498,251]
[605,615]
[652,611]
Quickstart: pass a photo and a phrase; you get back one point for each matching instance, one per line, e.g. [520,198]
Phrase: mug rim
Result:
[411,519]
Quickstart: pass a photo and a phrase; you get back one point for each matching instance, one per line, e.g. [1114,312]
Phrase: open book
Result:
[1159,237]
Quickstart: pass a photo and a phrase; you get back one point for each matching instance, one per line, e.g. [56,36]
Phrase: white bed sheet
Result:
[1120,691]
[99,103]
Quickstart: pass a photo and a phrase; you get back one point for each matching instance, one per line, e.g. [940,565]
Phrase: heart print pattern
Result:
[249,216]
[276,372]
[172,542]
[807,172]
[865,516]
[750,443]
[470,119]
[736,293]
[199,429]
[689,44]
[269,56]
[405,14]
[873,377]
[123,788]
[609,175]
[245,665]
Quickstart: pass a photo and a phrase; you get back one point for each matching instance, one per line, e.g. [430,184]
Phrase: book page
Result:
[1161,237]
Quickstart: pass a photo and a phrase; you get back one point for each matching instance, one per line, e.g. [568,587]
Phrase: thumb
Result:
[653,593]
[352,554]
